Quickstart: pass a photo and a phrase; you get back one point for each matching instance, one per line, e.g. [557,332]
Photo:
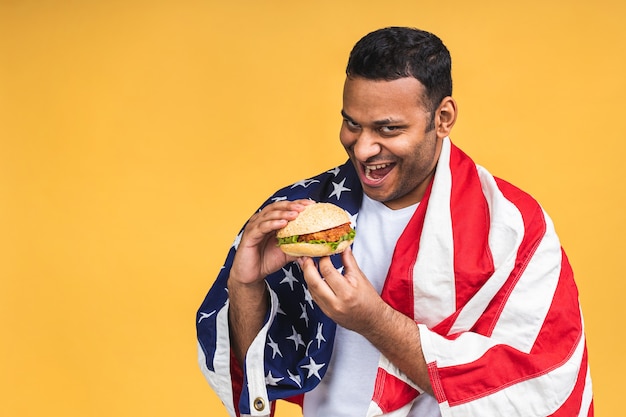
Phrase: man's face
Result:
[386,133]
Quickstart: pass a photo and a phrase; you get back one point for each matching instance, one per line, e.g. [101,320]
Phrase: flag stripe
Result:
[473,261]
[392,393]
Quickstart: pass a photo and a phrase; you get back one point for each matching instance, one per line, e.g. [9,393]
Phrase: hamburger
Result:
[321,229]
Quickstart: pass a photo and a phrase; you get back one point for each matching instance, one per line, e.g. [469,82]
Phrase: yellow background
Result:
[128,130]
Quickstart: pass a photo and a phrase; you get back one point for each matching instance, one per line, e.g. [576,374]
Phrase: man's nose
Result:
[367,145]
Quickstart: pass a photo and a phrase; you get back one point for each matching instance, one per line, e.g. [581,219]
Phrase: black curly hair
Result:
[396,52]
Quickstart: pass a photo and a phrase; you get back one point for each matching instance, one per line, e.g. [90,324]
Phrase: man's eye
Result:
[351,124]
[389,129]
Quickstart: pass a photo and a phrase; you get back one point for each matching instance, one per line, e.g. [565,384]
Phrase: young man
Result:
[456,298]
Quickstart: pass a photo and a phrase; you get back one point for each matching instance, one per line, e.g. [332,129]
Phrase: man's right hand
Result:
[258,255]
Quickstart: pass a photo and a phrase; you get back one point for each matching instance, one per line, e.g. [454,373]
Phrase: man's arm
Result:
[248,307]
[397,337]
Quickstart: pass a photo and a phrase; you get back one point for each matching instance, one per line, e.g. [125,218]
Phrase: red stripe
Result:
[296,399]
[392,393]
[473,264]
[236,378]
[435,382]
[398,288]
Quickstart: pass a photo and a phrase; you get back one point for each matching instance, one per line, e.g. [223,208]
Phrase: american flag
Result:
[481,271]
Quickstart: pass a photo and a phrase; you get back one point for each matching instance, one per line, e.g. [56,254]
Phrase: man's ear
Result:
[445,117]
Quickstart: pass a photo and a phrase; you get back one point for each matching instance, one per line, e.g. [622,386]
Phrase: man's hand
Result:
[258,255]
[352,302]
[349,299]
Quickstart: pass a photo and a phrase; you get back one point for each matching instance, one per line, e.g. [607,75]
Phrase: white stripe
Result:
[220,380]
[444,408]
[529,302]
[433,272]
[255,363]
[374,410]
[587,396]
[466,348]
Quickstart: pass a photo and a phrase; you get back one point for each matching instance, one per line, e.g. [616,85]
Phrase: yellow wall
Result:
[126,128]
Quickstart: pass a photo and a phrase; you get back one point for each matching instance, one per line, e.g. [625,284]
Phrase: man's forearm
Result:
[397,337]
[247,308]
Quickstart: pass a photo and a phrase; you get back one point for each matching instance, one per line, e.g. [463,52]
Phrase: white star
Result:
[289,278]
[274,347]
[205,315]
[307,296]
[274,199]
[304,315]
[271,380]
[353,218]
[334,171]
[237,240]
[295,378]
[304,183]
[338,188]
[313,368]
[296,338]
[319,336]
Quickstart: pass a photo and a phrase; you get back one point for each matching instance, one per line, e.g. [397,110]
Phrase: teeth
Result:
[370,168]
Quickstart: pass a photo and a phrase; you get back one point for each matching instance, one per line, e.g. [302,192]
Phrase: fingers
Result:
[328,271]
[330,290]
[324,277]
[351,267]
[282,211]
[274,217]
[317,286]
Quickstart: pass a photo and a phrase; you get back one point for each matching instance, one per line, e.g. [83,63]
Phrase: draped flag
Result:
[481,271]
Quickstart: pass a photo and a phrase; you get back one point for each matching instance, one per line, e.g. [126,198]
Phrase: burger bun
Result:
[313,249]
[314,218]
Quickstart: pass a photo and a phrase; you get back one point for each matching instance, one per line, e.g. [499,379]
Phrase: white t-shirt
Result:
[346,389]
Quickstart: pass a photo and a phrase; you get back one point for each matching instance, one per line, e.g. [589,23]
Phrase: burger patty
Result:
[328,235]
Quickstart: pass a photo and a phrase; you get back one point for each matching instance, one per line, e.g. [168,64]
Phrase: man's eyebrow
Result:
[345,116]
[382,122]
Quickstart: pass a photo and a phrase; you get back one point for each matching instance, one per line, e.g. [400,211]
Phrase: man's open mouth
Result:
[377,172]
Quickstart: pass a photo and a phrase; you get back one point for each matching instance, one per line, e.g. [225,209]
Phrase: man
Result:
[456,298]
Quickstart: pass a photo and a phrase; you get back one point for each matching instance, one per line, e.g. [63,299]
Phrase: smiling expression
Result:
[387,133]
